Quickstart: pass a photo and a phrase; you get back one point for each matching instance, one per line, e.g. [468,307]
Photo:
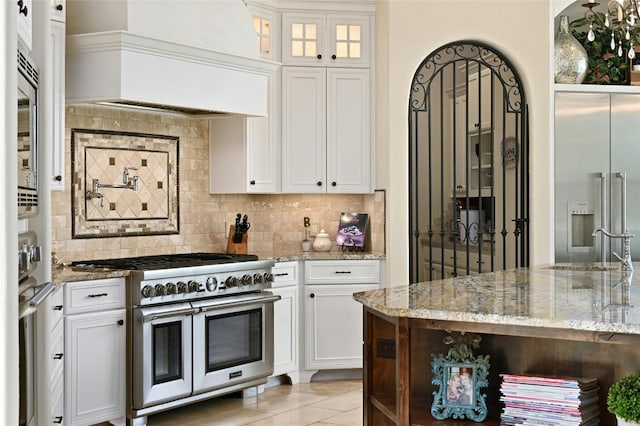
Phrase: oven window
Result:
[167,352]
[234,339]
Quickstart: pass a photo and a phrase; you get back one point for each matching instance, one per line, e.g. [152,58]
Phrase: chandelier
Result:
[621,17]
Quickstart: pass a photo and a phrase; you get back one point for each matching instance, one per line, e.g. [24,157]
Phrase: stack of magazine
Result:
[539,400]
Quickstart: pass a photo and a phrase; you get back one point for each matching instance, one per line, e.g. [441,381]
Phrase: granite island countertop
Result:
[588,297]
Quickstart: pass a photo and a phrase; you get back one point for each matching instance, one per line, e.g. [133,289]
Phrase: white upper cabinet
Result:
[58,10]
[267,24]
[58,99]
[335,40]
[24,10]
[326,138]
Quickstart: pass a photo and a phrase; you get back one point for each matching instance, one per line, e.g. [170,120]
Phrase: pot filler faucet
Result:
[625,260]
[128,182]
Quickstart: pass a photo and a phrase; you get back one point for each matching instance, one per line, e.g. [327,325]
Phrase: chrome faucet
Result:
[128,182]
[625,260]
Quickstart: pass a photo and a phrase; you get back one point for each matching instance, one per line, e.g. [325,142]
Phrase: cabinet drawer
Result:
[342,271]
[56,305]
[285,274]
[57,351]
[95,295]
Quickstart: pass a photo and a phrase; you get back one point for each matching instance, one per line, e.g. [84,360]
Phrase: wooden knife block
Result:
[236,248]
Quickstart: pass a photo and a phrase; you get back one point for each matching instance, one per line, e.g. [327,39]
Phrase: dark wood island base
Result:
[398,348]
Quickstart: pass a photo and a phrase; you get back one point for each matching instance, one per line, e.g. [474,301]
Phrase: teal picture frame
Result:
[459,377]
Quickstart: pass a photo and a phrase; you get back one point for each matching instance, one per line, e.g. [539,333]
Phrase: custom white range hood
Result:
[188,56]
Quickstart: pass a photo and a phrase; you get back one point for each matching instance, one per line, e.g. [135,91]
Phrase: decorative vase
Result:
[623,422]
[571,62]
[322,241]
[306,245]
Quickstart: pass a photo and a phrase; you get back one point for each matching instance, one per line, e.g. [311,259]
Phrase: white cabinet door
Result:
[58,10]
[333,326]
[303,130]
[285,330]
[24,10]
[94,367]
[318,39]
[58,99]
[348,131]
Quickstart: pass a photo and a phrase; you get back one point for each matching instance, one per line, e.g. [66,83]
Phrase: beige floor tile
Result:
[333,402]
[298,417]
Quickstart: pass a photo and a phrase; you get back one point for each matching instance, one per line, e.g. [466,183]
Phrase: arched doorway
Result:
[468,164]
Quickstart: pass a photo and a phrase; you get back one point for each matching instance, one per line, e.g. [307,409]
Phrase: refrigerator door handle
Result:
[603,213]
[623,201]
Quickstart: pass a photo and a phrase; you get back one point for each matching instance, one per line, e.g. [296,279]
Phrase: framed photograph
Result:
[352,231]
[459,384]
[459,376]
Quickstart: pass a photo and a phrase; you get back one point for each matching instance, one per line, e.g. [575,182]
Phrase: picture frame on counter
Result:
[352,231]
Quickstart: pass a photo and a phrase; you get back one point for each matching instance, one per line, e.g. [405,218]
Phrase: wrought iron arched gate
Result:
[468,164]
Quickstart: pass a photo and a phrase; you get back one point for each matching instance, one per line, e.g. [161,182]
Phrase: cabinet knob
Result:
[253,182]
[58,178]
[319,56]
[22,8]
[319,183]
[57,419]
[58,356]
[120,322]
[59,7]
[312,295]
[333,57]
[333,184]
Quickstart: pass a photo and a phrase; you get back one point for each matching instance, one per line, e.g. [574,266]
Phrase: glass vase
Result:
[570,58]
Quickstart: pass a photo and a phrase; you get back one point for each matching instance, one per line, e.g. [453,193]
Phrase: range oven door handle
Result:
[31,306]
[233,302]
[152,315]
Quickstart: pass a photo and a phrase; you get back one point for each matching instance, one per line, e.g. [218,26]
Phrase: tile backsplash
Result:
[276,220]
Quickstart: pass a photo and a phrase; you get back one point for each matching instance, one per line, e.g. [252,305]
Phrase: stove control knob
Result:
[160,290]
[171,288]
[246,279]
[231,282]
[182,287]
[194,286]
[258,278]
[148,291]
[268,277]
[212,283]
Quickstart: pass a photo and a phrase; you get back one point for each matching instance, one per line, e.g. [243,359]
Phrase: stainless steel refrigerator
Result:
[597,157]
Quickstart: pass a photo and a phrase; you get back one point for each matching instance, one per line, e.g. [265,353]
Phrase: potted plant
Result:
[623,400]
[605,66]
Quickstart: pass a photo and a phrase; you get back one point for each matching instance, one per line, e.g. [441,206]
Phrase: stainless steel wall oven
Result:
[201,325]
[27,134]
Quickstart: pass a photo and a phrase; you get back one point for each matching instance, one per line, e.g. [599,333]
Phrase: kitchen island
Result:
[580,320]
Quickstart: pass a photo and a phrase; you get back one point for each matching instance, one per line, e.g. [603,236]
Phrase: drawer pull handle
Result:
[343,272]
[99,295]
[57,419]
[58,356]
[282,274]
[57,308]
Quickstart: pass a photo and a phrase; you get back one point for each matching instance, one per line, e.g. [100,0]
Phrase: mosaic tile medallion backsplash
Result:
[124,184]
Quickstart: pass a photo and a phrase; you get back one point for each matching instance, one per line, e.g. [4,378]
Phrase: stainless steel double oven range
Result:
[199,325]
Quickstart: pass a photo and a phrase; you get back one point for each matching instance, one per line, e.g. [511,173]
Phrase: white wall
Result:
[407,32]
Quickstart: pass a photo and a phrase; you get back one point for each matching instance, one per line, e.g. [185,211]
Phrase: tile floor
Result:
[327,402]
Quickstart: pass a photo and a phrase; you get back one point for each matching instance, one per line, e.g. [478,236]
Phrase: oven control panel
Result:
[192,287]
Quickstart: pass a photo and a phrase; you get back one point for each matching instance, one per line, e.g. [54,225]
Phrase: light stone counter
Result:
[66,274]
[335,254]
[586,297]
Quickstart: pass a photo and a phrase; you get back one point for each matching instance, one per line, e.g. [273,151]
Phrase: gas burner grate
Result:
[166,261]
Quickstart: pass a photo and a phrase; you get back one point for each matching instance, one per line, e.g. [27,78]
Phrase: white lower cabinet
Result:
[333,320]
[334,326]
[285,320]
[95,351]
